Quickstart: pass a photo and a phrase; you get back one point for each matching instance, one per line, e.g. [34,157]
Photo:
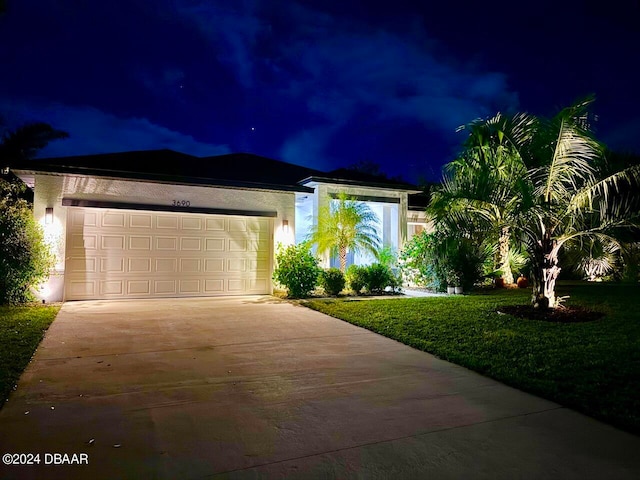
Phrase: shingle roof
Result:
[234,169]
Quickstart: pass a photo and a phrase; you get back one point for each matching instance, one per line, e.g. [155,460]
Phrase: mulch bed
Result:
[572,314]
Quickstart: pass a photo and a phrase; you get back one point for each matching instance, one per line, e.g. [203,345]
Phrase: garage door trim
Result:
[73,202]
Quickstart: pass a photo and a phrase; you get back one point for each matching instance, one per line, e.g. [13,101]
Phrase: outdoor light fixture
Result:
[48,215]
[285,226]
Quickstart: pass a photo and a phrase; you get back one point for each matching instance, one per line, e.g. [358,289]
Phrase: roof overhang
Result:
[33,168]
[314,180]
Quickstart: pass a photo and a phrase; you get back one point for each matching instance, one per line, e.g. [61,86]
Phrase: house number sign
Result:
[181,203]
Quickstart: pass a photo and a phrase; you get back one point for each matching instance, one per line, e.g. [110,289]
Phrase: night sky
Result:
[323,84]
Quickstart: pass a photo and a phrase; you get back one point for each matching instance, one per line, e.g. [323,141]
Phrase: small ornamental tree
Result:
[297,269]
[25,259]
[345,225]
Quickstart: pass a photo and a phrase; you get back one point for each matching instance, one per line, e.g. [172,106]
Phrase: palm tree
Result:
[570,194]
[563,191]
[25,141]
[343,225]
[478,190]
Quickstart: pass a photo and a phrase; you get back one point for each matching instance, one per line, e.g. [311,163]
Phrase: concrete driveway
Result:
[254,387]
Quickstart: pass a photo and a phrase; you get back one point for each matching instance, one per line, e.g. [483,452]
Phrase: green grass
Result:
[592,367]
[21,330]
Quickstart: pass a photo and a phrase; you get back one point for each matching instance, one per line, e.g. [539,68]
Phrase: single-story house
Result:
[161,223]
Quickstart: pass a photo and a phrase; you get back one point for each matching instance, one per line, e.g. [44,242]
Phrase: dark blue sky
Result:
[317,83]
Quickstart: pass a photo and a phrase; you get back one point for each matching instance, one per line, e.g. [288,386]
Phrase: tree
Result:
[25,141]
[563,190]
[24,257]
[343,225]
[479,189]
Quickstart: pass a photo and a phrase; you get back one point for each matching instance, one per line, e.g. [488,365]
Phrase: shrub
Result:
[297,269]
[436,259]
[415,261]
[25,259]
[377,277]
[356,278]
[332,280]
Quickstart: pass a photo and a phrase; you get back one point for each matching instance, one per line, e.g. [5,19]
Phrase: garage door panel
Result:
[140,220]
[191,223]
[165,287]
[138,287]
[237,225]
[167,243]
[190,244]
[81,289]
[84,241]
[140,243]
[235,285]
[112,242]
[189,286]
[113,219]
[120,254]
[214,286]
[215,224]
[237,245]
[112,264]
[112,287]
[83,264]
[189,265]
[214,265]
[169,222]
[166,265]
[236,265]
[140,265]
[214,244]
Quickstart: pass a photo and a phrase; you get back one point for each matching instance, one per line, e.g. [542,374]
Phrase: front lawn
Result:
[21,330]
[593,367]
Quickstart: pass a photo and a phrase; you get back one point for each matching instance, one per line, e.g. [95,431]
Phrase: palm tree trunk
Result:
[544,273]
[343,259]
[505,266]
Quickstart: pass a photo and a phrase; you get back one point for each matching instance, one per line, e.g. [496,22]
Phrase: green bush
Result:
[332,280]
[356,278]
[378,277]
[297,269]
[436,259]
[25,259]
[415,261]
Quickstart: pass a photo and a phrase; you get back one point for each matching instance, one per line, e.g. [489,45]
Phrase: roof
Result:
[240,170]
[354,177]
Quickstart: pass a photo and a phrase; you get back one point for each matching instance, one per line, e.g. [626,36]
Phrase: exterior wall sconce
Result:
[48,215]
[285,226]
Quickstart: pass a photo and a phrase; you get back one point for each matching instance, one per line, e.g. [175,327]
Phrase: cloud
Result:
[232,29]
[94,131]
[329,69]
[307,147]
[162,81]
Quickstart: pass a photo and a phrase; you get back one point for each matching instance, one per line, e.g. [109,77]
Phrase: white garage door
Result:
[113,253]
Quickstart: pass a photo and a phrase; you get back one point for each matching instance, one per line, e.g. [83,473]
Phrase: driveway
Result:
[255,387]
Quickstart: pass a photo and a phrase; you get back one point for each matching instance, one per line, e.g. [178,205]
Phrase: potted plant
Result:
[453,282]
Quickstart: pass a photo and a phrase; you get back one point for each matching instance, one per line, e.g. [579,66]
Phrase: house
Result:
[161,223]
